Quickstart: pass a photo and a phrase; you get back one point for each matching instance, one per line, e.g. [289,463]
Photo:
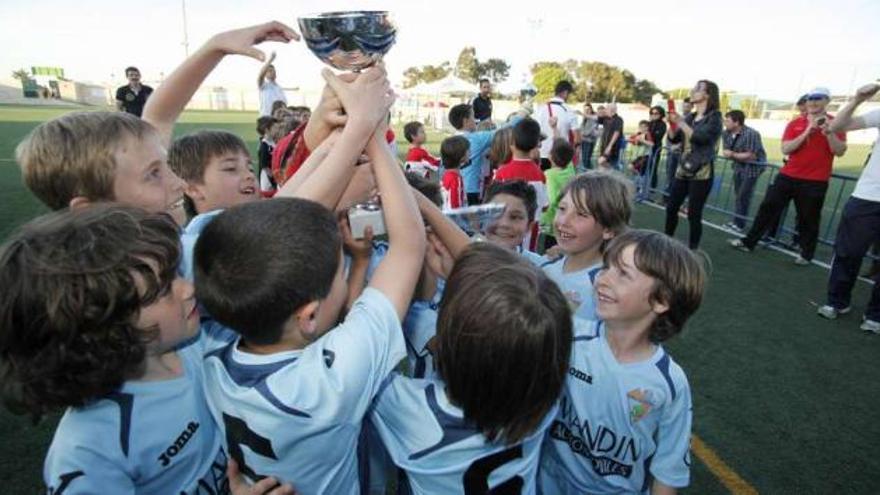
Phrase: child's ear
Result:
[79,202]
[306,320]
[659,307]
[608,234]
[194,191]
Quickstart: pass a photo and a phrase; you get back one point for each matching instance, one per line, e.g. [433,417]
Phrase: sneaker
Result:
[830,312]
[734,227]
[740,245]
[801,261]
[870,326]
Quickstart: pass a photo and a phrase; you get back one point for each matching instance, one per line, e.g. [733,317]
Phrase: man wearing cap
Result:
[811,147]
[860,223]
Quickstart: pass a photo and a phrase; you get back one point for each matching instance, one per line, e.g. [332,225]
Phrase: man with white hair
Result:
[611,134]
[811,146]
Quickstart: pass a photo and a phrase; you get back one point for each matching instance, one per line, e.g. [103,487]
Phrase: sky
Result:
[776,49]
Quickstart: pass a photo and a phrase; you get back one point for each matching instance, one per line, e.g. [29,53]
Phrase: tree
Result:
[426,74]
[546,77]
[644,91]
[495,69]
[467,66]
[22,75]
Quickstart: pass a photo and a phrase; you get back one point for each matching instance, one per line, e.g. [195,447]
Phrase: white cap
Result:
[819,91]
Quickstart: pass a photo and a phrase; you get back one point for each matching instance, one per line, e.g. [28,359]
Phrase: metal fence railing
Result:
[653,185]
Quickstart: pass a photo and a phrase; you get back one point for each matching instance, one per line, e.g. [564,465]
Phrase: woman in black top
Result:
[657,128]
[693,178]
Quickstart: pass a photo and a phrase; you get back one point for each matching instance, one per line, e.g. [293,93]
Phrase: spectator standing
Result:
[657,129]
[693,178]
[565,118]
[811,147]
[743,147]
[270,91]
[612,132]
[590,132]
[483,102]
[132,97]
[860,224]
[675,141]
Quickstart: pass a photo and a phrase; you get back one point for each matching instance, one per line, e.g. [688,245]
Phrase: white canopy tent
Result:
[434,91]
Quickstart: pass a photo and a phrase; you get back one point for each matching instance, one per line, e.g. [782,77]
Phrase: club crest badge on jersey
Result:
[641,403]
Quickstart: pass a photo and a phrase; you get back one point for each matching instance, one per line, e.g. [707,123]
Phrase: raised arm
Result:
[168,101]
[366,99]
[399,271]
[455,239]
[844,120]
[264,69]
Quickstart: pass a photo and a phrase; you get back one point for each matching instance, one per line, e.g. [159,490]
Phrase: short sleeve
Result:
[364,349]
[671,462]
[872,119]
[789,132]
[120,94]
[82,469]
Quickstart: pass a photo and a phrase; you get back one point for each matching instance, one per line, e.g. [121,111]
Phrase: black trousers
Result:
[808,196]
[859,228]
[697,191]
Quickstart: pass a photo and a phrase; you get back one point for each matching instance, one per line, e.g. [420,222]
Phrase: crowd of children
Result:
[203,339]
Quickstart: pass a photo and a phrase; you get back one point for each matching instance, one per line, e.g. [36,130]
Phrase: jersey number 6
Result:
[238,433]
[476,478]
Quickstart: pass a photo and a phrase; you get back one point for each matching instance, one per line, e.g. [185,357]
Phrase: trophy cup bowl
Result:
[349,41]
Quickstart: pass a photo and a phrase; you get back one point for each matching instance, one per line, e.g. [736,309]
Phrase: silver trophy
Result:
[349,41]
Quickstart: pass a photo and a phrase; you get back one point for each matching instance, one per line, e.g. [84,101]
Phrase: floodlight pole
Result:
[185,34]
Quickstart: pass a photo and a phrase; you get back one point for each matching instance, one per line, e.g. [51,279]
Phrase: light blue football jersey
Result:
[619,426]
[188,238]
[296,415]
[577,287]
[419,327]
[443,453]
[532,257]
[149,437]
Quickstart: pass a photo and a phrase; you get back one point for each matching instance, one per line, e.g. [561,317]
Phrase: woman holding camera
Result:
[693,178]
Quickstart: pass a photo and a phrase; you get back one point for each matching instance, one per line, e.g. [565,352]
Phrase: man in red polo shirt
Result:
[811,148]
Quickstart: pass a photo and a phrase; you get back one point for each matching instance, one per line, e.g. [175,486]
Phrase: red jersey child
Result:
[454,152]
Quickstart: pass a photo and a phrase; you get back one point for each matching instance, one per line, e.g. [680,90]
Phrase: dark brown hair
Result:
[679,276]
[459,113]
[291,249]
[519,189]
[561,153]
[189,156]
[411,129]
[503,342]
[453,151]
[71,298]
